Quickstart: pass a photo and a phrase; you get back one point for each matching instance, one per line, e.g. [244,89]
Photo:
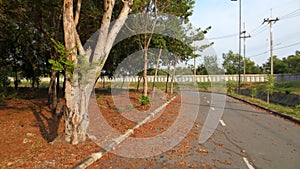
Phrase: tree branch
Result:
[112,34]
[77,12]
[104,29]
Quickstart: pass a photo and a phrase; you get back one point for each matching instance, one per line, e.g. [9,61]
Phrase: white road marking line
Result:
[248,163]
[222,123]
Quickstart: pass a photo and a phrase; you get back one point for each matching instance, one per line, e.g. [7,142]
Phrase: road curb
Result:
[288,117]
[114,142]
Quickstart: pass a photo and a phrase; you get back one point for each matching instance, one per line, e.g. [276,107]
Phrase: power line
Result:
[223,37]
[275,49]
[259,31]
[287,46]
[257,28]
[291,14]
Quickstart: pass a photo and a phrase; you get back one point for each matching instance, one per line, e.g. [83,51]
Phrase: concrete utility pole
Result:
[245,37]
[240,28]
[270,21]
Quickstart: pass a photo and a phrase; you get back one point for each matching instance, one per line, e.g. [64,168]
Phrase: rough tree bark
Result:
[173,74]
[80,83]
[52,91]
[145,80]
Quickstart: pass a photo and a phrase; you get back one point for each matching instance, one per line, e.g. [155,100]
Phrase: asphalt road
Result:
[255,136]
[245,137]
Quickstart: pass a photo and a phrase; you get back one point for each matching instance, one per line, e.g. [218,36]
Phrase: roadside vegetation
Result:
[289,110]
[278,87]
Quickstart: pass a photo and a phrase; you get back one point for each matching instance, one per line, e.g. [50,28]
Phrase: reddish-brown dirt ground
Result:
[32,138]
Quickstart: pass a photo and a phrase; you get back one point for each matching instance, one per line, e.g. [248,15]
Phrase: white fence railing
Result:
[190,78]
[198,78]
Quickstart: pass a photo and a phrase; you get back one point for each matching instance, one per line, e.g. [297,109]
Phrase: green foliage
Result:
[204,85]
[151,72]
[290,64]
[231,64]
[292,111]
[61,63]
[269,87]
[288,91]
[26,28]
[253,92]
[288,87]
[297,108]
[144,100]
[211,66]
[231,86]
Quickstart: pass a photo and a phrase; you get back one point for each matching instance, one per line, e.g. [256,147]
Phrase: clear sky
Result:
[223,16]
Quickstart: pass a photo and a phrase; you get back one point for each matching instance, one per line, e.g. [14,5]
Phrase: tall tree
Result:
[280,66]
[211,65]
[197,35]
[231,62]
[293,63]
[27,27]
[154,10]
[80,81]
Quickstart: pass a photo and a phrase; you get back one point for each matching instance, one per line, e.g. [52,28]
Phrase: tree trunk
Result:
[52,93]
[76,117]
[78,89]
[145,82]
[103,82]
[123,81]
[139,81]
[195,72]
[168,75]
[173,74]
[16,82]
[156,69]
[57,83]
[64,83]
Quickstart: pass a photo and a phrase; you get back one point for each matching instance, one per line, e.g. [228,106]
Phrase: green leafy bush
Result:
[231,86]
[253,92]
[144,100]
[288,91]
[297,108]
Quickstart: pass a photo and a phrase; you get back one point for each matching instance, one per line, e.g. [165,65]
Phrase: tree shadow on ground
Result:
[48,121]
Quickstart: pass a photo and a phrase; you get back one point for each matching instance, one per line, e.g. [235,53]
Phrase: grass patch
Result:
[282,87]
[288,87]
[292,111]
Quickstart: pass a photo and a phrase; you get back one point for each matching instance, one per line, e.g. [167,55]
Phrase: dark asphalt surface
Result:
[250,135]
[265,140]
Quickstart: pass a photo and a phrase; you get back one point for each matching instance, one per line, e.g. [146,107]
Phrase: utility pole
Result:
[240,28]
[270,21]
[245,37]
